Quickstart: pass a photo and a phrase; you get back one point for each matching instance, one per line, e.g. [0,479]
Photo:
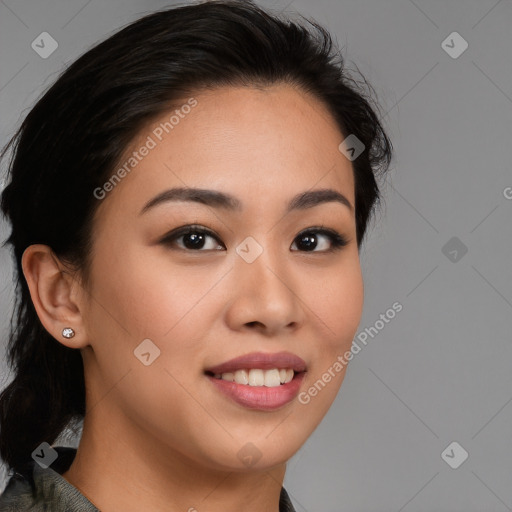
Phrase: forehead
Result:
[270,143]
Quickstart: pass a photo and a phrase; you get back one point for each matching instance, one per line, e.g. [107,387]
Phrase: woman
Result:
[187,202]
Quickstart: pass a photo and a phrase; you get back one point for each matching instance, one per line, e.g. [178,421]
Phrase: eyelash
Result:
[337,241]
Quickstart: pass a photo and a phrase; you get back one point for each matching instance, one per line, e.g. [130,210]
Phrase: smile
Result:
[259,396]
[258,377]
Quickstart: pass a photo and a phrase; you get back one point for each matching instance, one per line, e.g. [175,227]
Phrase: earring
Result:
[68,332]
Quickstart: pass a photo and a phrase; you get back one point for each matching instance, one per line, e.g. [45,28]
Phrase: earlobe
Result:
[51,293]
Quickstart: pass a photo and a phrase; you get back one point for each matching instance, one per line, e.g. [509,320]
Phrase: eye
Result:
[194,238]
[314,237]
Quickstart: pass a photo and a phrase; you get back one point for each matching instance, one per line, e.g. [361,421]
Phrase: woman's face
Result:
[252,284]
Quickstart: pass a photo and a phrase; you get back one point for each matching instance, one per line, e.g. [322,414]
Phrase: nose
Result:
[265,296]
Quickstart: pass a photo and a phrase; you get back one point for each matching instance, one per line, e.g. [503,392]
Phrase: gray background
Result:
[440,370]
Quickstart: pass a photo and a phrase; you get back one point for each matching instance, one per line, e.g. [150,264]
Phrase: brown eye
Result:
[200,239]
[312,238]
[194,239]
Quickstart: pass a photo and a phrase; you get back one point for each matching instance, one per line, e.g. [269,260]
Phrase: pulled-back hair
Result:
[71,141]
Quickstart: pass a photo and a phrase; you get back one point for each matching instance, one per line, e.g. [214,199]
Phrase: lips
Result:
[261,360]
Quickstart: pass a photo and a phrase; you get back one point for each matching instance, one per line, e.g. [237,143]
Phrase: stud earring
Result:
[68,332]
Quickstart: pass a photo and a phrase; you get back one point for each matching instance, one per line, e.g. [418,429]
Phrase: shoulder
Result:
[47,491]
[18,495]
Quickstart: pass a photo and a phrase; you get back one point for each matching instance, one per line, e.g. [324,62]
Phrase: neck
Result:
[134,471]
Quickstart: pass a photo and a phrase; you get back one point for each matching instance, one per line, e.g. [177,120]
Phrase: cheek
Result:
[172,305]
[135,299]
[150,296]
[338,304]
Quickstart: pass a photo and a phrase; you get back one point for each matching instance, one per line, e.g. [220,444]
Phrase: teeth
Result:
[242,377]
[227,376]
[271,378]
[255,377]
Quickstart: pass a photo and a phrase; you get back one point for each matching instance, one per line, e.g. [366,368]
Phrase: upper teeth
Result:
[256,377]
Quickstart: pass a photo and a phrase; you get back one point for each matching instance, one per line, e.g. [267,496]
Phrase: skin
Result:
[163,436]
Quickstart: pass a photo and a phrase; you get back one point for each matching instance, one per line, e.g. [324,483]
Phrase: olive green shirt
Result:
[53,493]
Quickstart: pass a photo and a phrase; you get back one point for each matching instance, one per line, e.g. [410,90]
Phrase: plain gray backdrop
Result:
[439,372]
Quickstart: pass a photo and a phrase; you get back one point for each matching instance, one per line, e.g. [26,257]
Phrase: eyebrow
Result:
[217,199]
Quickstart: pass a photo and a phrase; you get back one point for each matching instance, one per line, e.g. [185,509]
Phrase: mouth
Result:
[260,361]
[259,380]
[257,377]
[255,395]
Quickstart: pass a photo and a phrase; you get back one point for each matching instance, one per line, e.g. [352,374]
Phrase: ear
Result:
[55,294]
